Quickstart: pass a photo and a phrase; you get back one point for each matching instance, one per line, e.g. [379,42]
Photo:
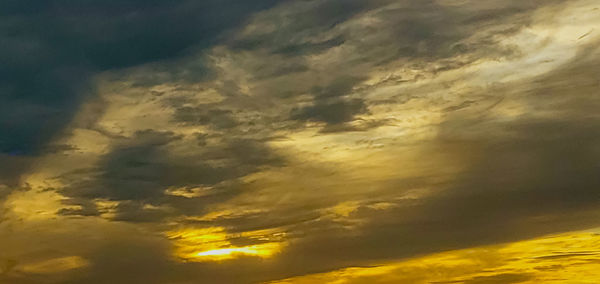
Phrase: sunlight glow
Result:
[213,244]
[263,251]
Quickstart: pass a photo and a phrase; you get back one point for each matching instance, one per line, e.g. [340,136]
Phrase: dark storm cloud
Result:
[138,172]
[11,166]
[51,48]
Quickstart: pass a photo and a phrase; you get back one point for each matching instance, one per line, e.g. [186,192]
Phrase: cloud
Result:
[139,171]
[523,178]
[52,48]
[348,132]
[331,113]
[220,119]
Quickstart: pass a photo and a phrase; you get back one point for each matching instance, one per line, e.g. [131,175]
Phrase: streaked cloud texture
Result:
[299,141]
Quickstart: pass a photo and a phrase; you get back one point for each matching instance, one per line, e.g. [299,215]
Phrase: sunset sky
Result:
[299,141]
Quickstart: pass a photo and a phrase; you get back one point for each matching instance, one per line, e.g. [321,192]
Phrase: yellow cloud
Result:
[55,265]
[213,244]
[566,258]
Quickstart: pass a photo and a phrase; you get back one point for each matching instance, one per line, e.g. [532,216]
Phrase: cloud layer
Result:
[238,142]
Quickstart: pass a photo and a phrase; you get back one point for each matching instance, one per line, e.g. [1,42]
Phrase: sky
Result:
[299,141]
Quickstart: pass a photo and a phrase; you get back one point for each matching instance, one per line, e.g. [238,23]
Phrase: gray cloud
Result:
[538,167]
[525,178]
[331,113]
[520,176]
[217,118]
[51,49]
[141,169]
